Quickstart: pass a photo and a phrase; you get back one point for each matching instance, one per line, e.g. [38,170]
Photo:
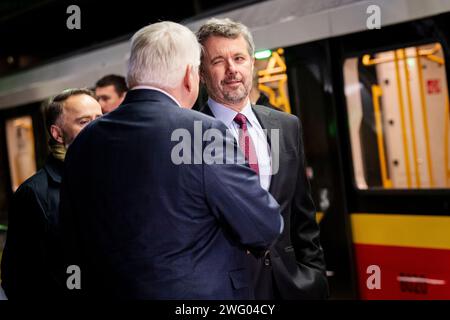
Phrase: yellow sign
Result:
[273,81]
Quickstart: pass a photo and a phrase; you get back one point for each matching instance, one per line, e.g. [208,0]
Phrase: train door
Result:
[295,80]
[391,90]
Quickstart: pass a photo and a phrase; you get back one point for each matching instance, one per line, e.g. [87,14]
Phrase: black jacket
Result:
[297,260]
[31,254]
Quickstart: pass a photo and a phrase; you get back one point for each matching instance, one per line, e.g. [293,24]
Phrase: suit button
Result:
[267,258]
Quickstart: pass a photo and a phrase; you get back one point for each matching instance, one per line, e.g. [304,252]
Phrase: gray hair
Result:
[226,28]
[160,53]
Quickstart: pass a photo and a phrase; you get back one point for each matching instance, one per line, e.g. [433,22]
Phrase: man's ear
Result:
[57,133]
[188,80]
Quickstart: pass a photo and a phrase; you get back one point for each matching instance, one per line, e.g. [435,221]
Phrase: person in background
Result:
[140,222]
[110,91]
[32,256]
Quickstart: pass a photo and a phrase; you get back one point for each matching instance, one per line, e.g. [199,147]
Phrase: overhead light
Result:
[264,54]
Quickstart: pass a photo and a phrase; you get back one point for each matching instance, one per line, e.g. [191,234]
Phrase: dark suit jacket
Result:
[32,255]
[298,265]
[142,227]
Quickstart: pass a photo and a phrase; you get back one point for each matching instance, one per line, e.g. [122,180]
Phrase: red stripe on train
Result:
[404,273]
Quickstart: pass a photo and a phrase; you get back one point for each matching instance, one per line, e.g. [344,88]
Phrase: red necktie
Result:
[246,143]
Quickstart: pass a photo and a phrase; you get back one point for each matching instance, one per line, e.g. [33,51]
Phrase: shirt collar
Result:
[157,89]
[226,115]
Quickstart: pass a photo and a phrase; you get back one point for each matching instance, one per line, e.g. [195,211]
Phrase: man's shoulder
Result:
[195,115]
[190,116]
[34,184]
[283,117]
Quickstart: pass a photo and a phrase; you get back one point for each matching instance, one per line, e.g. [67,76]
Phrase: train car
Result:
[369,81]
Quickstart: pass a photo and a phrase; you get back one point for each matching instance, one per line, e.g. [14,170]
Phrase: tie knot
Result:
[240,119]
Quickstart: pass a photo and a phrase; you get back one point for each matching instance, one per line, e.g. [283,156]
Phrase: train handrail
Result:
[403,121]
[423,104]
[376,94]
[411,119]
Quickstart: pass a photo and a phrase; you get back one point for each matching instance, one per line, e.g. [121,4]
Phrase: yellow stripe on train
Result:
[401,230]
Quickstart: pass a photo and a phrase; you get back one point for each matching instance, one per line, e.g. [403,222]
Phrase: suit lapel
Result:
[268,123]
[207,110]
[266,120]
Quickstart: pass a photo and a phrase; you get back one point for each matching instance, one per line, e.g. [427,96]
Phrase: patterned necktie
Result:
[246,143]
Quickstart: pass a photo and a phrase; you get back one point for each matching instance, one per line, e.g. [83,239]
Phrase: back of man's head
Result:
[160,54]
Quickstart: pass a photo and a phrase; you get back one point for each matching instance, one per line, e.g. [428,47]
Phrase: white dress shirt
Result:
[259,138]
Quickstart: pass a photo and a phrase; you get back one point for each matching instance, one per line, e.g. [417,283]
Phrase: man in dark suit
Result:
[295,267]
[32,258]
[146,212]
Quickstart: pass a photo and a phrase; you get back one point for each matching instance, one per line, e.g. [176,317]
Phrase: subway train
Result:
[369,81]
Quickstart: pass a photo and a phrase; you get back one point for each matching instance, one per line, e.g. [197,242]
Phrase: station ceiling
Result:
[34,31]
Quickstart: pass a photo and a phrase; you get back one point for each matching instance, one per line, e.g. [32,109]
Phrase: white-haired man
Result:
[143,225]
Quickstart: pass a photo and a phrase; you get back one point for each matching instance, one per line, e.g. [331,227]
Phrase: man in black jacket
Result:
[295,266]
[31,256]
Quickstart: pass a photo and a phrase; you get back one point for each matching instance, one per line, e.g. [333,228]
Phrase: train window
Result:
[21,153]
[398,109]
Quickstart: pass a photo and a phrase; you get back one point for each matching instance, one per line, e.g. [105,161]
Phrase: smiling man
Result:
[294,268]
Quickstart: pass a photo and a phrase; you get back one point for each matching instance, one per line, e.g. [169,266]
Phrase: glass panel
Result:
[397,102]
[270,80]
[21,154]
